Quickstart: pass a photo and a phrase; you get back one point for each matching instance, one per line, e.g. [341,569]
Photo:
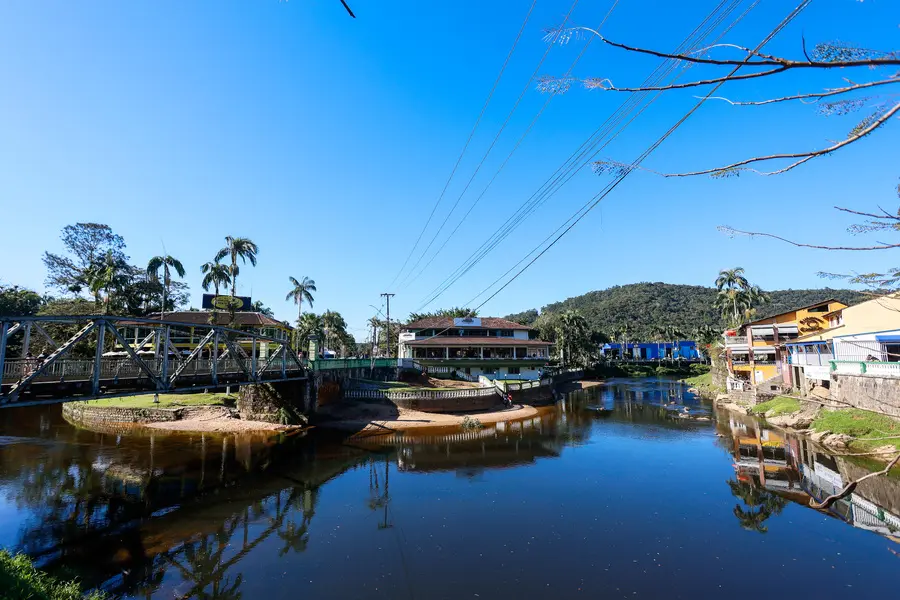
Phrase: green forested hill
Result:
[644,306]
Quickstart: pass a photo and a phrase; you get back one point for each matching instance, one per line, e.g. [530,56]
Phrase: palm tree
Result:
[573,336]
[730,283]
[243,248]
[308,324]
[103,278]
[167,263]
[301,291]
[335,327]
[215,275]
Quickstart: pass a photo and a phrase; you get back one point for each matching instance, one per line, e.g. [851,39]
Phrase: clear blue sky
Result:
[327,140]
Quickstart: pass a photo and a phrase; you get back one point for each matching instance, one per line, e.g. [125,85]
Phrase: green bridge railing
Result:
[350,363]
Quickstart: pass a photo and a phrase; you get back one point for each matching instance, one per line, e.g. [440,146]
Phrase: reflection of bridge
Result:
[96,358]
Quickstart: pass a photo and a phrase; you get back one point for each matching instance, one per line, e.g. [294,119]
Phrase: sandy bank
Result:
[379,417]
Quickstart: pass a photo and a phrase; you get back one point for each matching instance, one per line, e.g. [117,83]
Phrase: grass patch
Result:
[20,580]
[779,405]
[166,401]
[704,380]
[862,425]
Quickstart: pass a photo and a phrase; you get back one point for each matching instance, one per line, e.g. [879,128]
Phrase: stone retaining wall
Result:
[880,394]
[85,414]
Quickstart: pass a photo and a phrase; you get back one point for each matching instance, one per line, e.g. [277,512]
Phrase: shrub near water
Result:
[19,580]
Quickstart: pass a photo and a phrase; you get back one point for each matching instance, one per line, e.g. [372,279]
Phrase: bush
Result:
[471,424]
[699,369]
[780,405]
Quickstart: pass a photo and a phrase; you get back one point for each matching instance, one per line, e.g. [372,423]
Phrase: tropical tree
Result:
[658,334]
[307,325]
[300,292]
[103,277]
[166,263]
[574,338]
[235,248]
[262,309]
[335,328]
[673,334]
[215,275]
[730,283]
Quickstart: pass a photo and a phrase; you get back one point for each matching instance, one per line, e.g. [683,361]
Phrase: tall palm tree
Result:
[215,275]
[302,291]
[104,277]
[335,327]
[167,263]
[235,248]
[308,324]
[732,281]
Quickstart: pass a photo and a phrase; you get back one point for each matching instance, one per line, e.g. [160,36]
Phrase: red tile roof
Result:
[458,340]
[201,317]
[486,323]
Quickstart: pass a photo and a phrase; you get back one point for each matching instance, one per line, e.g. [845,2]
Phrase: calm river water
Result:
[630,489]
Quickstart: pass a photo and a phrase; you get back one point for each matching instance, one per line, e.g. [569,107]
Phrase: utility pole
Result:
[388,297]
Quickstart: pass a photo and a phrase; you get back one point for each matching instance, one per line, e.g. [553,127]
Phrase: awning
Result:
[819,343]
[787,329]
[769,330]
[764,351]
[737,347]
[888,339]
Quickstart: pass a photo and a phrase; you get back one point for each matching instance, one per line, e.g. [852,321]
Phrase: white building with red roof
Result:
[489,346]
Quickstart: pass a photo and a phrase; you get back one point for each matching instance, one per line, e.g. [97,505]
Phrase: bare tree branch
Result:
[816,95]
[766,59]
[732,232]
[850,487]
[738,167]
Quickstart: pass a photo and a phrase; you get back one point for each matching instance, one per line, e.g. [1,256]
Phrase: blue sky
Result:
[327,140]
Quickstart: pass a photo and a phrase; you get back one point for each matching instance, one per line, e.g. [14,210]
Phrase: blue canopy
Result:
[890,339]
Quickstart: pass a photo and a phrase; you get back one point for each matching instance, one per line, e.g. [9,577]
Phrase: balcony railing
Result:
[871,368]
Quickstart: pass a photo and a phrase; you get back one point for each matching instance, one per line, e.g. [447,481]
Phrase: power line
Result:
[567,168]
[468,140]
[599,197]
[509,116]
[509,156]
[570,167]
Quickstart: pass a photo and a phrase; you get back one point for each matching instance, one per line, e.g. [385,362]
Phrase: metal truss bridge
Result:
[85,357]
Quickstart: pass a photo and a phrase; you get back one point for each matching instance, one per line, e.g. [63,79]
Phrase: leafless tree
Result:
[869,84]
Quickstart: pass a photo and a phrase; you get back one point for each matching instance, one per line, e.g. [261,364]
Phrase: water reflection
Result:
[772,469]
[202,516]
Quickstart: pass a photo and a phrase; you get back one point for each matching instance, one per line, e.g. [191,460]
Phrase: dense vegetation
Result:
[645,307]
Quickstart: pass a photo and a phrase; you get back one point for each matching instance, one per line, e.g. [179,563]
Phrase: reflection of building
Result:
[753,353]
[794,468]
[476,345]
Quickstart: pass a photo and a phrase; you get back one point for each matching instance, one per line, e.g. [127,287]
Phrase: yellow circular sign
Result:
[226,302]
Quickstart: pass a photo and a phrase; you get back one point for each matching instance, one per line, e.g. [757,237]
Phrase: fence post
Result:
[253,363]
[215,358]
[98,358]
[164,369]
[4,327]
[862,368]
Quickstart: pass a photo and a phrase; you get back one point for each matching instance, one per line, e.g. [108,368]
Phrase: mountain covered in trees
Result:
[645,308]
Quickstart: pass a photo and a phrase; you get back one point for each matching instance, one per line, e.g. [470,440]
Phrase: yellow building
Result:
[754,353]
[865,332]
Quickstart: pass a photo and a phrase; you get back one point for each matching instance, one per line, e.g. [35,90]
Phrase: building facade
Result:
[756,352]
[678,350]
[489,346]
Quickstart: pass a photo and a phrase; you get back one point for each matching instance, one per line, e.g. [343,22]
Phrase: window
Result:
[819,309]
[514,371]
[891,352]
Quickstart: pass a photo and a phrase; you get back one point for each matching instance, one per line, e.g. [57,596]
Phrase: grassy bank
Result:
[166,401]
[869,428]
[19,580]
[779,405]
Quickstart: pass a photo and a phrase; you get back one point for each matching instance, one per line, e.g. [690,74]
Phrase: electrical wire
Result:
[509,156]
[469,139]
[509,116]
[570,167]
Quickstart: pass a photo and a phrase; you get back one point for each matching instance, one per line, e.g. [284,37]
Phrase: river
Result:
[634,488]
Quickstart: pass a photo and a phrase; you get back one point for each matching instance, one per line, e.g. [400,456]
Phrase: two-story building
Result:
[867,334]
[754,352]
[489,346]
